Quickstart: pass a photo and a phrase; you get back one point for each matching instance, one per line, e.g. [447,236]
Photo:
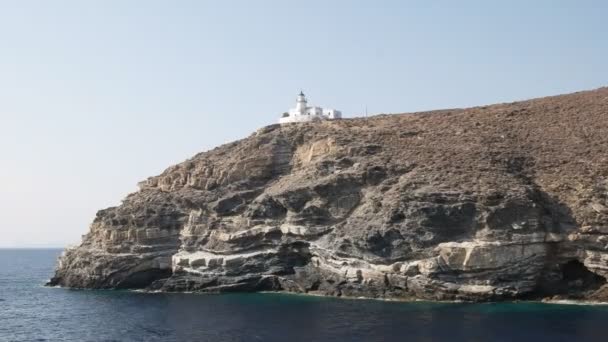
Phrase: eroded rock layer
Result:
[487,203]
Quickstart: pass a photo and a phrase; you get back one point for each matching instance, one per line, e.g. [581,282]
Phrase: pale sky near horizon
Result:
[98,95]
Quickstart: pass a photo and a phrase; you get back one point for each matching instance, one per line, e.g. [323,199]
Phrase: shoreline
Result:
[315,295]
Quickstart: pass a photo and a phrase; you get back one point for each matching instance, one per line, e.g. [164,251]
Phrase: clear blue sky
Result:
[98,95]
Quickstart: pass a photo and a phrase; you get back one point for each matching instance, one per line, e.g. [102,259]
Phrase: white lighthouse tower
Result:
[303,113]
[301,104]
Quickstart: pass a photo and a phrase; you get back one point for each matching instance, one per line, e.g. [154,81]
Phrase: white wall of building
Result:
[332,113]
[302,118]
[314,111]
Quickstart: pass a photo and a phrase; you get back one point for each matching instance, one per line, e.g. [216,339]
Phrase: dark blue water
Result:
[30,312]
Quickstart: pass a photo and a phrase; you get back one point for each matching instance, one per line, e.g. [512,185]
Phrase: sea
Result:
[31,312]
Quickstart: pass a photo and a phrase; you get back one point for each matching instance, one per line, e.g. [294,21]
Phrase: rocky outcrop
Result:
[487,203]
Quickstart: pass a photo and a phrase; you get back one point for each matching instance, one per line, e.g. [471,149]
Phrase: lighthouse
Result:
[301,103]
[304,113]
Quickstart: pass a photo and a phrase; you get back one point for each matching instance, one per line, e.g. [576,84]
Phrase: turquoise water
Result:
[31,312]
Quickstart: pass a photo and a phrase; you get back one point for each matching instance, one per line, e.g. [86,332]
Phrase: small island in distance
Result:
[500,202]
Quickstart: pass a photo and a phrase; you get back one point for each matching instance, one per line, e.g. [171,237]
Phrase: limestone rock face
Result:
[488,203]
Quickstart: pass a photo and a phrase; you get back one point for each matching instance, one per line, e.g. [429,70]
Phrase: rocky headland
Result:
[508,201]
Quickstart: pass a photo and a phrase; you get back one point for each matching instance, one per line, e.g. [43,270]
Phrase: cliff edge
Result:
[486,203]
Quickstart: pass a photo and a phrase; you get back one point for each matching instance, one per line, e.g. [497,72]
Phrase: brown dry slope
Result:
[494,202]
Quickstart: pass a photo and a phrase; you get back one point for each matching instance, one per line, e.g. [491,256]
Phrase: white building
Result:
[303,113]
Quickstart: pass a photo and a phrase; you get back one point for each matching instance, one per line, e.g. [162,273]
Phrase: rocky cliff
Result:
[487,203]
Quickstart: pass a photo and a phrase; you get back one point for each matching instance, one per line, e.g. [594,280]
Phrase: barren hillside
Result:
[485,203]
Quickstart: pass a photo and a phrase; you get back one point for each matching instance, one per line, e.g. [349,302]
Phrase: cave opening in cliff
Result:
[578,277]
[144,278]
